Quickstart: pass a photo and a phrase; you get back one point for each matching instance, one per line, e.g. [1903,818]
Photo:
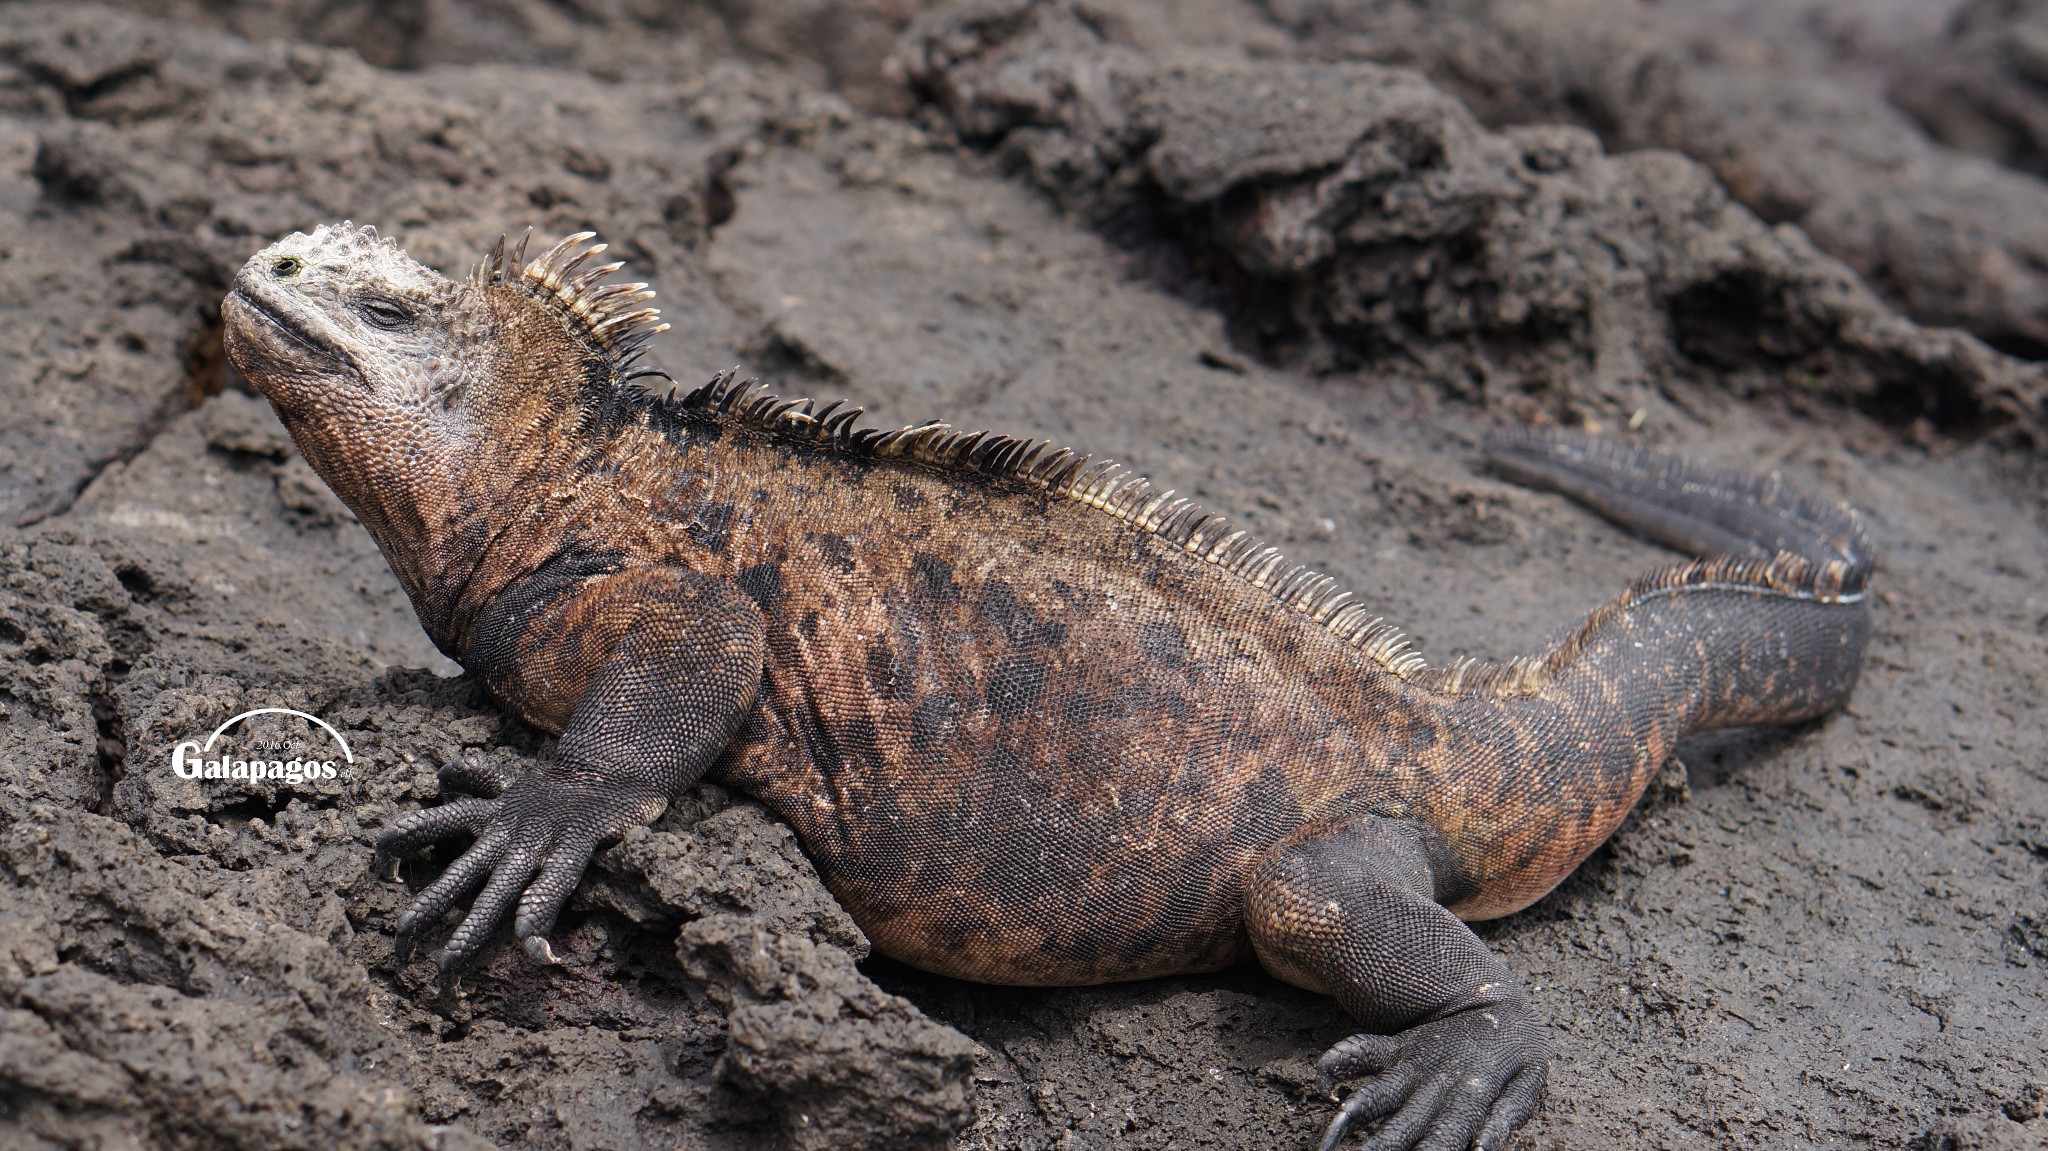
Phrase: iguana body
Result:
[1034,722]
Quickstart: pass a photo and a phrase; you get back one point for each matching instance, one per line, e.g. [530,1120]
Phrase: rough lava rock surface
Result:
[1359,205]
[1299,288]
[1985,90]
[1952,238]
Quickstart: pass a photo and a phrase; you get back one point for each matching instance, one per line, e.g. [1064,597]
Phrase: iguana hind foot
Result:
[1353,909]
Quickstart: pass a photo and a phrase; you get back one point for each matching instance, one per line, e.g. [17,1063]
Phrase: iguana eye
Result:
[285,266]
[389,315]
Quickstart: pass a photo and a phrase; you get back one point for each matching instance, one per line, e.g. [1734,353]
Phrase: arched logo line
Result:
[328,728]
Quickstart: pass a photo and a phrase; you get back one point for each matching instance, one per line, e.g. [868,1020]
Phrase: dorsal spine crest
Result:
[1104,485]
[611,314]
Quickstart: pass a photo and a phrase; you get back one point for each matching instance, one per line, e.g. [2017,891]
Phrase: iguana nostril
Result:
[285,267]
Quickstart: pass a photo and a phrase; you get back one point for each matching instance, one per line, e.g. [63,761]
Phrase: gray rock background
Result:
[1292,257]
[1984,87]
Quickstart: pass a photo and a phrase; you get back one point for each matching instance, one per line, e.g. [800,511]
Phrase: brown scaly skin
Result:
[1034,722]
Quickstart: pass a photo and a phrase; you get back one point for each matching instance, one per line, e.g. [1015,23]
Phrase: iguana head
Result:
[415,395]
[341,325]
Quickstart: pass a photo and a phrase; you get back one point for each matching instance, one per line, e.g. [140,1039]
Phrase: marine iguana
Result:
[1035,721]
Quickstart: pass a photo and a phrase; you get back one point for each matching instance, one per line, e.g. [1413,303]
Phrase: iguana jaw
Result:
[278,332]
[256,326]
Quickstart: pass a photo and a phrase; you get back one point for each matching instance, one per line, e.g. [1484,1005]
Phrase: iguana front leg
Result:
[1351,908]
[646,673]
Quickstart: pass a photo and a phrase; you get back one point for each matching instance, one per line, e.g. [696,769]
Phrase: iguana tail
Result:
[1768,626]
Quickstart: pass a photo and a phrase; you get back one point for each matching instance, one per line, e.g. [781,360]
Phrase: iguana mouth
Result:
[286,325]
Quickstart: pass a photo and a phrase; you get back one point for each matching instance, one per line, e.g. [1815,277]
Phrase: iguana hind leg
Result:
[1456,1055]
[646,673]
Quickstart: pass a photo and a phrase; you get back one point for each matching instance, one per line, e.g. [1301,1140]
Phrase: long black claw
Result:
[431,826]
[1347,1115]
[490,906]
[461,877]
[1368,1102]
[473,774]
[402,942]
[546,896]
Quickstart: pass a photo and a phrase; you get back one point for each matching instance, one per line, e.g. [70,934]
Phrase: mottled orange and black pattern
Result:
[1034,723]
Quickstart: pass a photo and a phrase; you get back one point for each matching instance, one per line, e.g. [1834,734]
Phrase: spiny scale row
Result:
[611,313]
[1836,581]
[1101,484]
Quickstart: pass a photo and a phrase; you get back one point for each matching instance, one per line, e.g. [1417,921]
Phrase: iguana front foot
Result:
[669,662]
[1466,1080]
[534,838]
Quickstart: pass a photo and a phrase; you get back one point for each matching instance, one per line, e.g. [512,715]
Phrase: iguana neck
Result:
[442,507]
